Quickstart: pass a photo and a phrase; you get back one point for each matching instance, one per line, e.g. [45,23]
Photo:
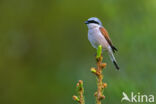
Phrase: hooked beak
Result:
[86,22]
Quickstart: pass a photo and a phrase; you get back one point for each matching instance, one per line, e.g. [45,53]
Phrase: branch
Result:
[80,90]
[98,72]
[100,85]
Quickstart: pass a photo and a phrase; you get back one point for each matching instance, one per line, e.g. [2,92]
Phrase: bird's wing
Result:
[105,34]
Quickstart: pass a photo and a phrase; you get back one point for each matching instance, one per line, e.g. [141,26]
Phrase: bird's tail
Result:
[116,65]
[113,59]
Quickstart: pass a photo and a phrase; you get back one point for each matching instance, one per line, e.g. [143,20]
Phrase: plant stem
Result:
[80,89]
[99,95]
[98,72]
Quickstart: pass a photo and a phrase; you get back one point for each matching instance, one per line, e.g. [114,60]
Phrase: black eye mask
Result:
[92,21]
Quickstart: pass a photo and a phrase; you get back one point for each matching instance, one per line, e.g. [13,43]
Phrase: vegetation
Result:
[44,49]
[100,85]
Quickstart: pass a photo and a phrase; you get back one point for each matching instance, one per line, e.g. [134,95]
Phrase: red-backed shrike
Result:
[98,35]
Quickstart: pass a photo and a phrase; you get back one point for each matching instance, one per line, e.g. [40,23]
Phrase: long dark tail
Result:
[113,59]
[114,49]
[116,65]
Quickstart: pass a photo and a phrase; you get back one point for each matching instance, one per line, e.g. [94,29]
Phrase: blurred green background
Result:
[44,49]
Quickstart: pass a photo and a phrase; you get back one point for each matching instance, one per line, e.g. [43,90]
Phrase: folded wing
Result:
[105,34]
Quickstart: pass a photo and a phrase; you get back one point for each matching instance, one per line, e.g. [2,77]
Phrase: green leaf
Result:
[99,51]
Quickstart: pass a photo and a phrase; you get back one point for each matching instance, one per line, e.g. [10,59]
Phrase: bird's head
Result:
[93,22]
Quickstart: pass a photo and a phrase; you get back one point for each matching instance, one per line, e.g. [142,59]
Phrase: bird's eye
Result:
[92,21]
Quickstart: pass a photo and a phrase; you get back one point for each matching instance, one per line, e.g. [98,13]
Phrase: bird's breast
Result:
[96,38]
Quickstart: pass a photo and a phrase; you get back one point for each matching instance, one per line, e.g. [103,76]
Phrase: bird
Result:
[98,35]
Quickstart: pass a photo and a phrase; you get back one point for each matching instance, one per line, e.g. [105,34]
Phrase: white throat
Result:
[92,25]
